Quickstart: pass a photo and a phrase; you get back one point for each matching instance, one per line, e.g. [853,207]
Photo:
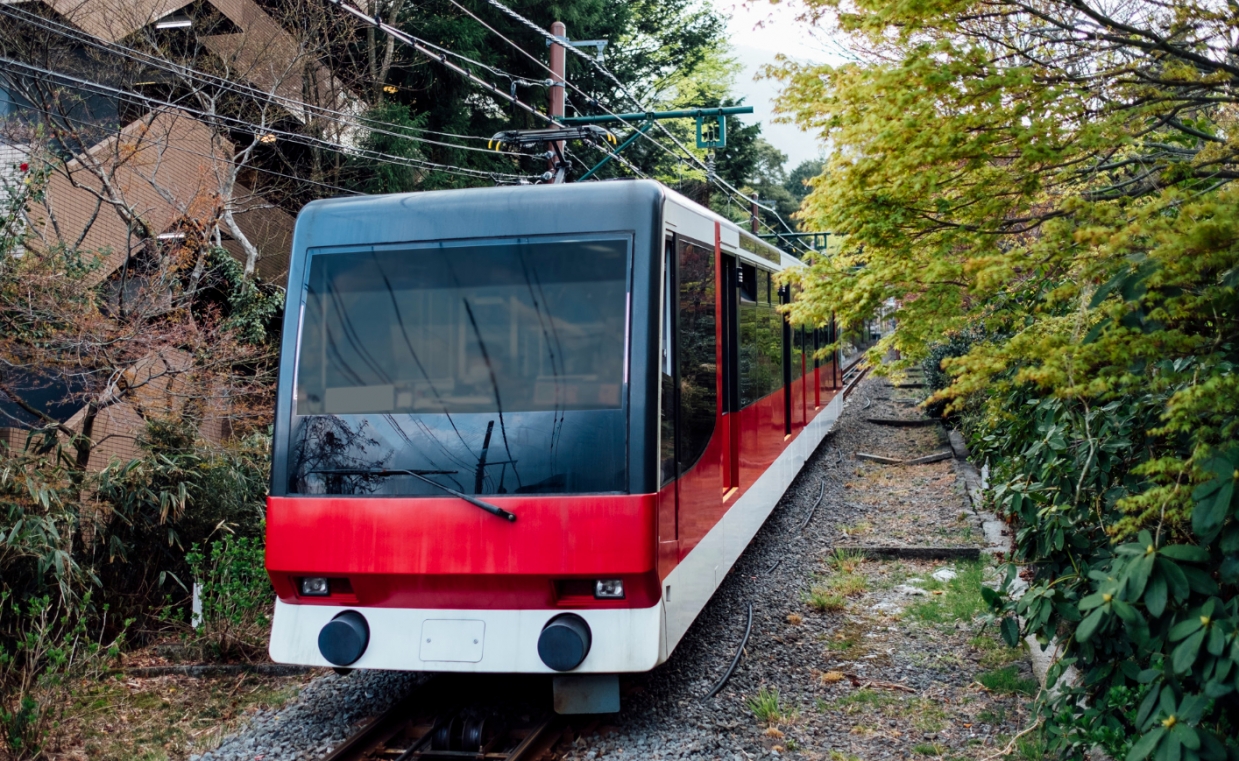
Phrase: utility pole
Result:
[754,219]
[556,149]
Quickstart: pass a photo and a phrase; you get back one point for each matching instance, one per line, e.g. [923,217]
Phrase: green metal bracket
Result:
[636,133]
[712,135]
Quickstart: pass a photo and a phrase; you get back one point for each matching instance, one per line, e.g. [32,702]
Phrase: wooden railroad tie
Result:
[935,457]
[903,422]
[915,553]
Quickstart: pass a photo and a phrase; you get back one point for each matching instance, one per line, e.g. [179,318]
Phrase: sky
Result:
[759,31]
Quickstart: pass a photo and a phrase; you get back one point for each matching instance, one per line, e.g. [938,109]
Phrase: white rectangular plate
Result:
[456,640]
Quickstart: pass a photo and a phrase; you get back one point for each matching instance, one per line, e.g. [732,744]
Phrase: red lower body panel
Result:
[431,552]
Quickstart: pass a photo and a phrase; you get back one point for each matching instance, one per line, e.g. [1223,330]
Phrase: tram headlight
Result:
[315,586]
[609,589]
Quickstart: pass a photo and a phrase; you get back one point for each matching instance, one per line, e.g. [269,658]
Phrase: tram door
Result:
[689,391]
[668,502]
[729,377]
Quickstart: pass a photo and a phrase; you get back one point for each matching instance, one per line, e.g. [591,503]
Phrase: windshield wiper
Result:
[421,476]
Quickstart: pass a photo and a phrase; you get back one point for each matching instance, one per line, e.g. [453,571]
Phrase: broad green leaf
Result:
[1209,512]
[1170,750]
[1192,708]
[1228,571]
[1125,611]
[991,598]
[1186,735]
[1092,601]
[1185,654]
[1139,576]
[1174,578]
[1145,745]
[1090,624]
[1216,641]
[1185,552]
[1200,581]
[1155,595]
[1010,631]
[1185,627]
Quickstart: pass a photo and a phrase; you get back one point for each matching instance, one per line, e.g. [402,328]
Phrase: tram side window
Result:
[697,352]
[667,363]
[761,343]
[798,343]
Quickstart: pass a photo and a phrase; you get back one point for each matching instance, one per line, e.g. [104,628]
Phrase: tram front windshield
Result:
[487,368]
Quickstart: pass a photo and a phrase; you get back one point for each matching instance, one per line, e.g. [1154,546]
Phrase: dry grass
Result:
[120,719]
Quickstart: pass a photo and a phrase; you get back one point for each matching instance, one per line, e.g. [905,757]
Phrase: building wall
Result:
[163,168]
[160,168]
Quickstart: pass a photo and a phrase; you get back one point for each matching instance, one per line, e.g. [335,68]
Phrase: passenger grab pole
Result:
[556,149]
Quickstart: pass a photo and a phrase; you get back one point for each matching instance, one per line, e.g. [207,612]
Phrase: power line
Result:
[199,154]
[291,104]
[522,51]
[623,89]
[414,43]
[293,137]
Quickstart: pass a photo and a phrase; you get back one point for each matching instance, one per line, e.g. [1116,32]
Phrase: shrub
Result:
[235,593]
[48,644]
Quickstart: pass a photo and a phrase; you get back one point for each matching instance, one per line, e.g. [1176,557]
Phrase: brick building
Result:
[147,171]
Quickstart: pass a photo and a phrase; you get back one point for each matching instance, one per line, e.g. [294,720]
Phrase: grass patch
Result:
[825,602]
[994,652]
[843,560]
[845,647]
[927,749]
[768,709]
[960,598]
[860,528]
[831,594]
[1032,746]
[928,715]
[864,698]
[1007,681]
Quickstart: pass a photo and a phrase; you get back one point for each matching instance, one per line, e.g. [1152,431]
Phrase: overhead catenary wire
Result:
[190,152]
[442,59]
[339,117]
[606,149]
[293,137]
[726,186]
[415,43]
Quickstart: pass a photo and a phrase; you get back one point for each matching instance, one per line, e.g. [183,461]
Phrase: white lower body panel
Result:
[694,580]
[623,639]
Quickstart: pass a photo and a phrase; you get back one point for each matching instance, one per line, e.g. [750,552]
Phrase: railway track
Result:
[462,718]
[854,369]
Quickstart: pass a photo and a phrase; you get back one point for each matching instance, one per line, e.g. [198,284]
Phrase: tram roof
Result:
[507,211]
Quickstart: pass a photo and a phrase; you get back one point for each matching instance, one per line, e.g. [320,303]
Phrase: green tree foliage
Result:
[667,54]
[1055,183]
[651,43]
[799,180]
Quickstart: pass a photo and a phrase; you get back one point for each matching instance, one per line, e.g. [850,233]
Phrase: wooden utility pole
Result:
[754,219]
[557,160]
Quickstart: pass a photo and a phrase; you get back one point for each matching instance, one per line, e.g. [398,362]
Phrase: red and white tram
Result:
[527,429]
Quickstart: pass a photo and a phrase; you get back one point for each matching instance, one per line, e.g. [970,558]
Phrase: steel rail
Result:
[410,730]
